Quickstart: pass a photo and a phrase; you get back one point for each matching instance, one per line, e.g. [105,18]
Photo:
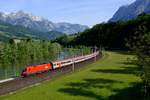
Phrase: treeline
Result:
[27,53]
[79,51]
[66,40]
[140,45]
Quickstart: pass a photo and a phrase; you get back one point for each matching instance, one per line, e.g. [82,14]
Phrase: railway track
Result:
[20,83]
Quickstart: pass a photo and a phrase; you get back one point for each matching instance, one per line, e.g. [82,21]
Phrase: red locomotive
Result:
[36,69]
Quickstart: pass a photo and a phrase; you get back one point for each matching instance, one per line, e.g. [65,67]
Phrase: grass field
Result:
[108,79]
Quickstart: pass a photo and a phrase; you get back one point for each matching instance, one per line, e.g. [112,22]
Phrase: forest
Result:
[15,56]
[27,52]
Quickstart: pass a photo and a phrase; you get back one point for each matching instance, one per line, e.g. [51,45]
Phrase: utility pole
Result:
[82,51]
[73,65]
[5,73]
[73,60]
[95,52]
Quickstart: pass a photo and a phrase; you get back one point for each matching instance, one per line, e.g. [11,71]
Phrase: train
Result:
[29,70]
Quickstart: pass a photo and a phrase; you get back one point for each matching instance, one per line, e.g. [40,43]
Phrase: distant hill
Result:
[8,31]
[131,11]
[37,23]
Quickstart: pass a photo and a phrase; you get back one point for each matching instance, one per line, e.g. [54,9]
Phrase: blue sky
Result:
[86,12]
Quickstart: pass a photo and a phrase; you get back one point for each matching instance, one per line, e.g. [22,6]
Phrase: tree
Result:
[140,44]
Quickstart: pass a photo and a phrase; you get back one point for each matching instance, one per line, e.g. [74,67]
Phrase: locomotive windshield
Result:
[23,72]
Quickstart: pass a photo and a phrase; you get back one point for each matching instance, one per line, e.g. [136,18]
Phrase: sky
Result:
[85,12]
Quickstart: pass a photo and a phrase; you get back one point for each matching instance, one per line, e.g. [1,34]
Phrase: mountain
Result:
[131,11]
[38,23]
[9,31]
[69,28]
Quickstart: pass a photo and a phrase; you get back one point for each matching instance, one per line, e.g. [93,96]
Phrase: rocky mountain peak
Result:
[22,14]
[131,11]
[38,23]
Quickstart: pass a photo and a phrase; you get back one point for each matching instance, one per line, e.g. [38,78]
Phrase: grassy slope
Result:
[106,79]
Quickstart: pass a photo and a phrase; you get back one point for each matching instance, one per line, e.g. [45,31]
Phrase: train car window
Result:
[66,62]
[54,64]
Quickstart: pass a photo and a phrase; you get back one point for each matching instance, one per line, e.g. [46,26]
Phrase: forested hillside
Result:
[113,35]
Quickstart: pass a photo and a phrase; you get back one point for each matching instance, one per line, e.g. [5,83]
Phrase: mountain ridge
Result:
[38,23]
[131,11]
[8,31]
